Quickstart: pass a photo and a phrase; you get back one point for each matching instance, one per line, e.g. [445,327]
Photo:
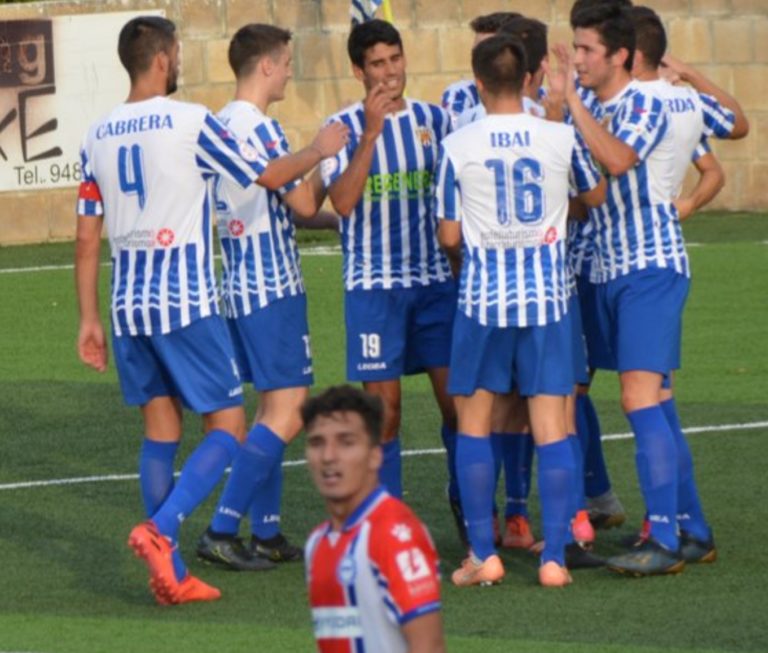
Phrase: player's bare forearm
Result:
[425,634]
[577,210]
[449,237]
[306,199]
[703,84]
[613,154]
[347,190]
[710,183]
[91,341]
[329,140]
[595,197]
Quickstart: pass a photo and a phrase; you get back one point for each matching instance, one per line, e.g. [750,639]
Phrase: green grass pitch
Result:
[68,582]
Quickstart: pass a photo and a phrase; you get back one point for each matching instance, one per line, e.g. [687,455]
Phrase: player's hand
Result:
[566,71]
[330,139]
[685,207]
[554,102]
[377,105]
[673,69]
[92,345]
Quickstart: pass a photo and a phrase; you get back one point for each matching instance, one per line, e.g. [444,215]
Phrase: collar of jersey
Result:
[616,99]
[362,511]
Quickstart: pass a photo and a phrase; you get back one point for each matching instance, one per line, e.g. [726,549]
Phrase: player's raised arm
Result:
[616,156]
[347,190]
[329,140]
[306,199]
[687,73]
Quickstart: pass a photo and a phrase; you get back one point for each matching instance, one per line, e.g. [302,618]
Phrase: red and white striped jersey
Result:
[371,577]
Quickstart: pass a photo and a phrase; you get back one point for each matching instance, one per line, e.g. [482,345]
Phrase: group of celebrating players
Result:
[508,244]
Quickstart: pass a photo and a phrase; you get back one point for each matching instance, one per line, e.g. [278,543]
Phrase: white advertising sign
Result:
[57,76]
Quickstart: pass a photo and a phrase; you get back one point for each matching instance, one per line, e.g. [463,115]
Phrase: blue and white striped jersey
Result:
[506,178]
[149,168]
[581,232]
[695,117]
[390,239]
[638,227]
[458,98]
[261,259]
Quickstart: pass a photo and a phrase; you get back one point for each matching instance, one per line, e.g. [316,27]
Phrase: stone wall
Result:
[727,39]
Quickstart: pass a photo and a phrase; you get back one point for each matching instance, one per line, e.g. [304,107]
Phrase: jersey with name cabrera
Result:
[507,178]
[148,168]
[695,117]
[261,259]
[390,238]
[366,581]
[638,227]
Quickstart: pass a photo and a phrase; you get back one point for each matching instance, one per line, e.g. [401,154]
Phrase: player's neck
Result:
[613,86]
[648,75]
[146,88]
[503,104]
[254,93]
[340,510]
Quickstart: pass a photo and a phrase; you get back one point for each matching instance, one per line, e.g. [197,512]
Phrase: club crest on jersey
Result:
[346,571]
[165,237]
[424,135]
[236,227]
[248,152]
[550,236]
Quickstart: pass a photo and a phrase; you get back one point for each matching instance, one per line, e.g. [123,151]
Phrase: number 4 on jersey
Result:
[130,171]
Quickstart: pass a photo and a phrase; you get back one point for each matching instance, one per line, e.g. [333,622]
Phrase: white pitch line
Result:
[408,452]
[320,250]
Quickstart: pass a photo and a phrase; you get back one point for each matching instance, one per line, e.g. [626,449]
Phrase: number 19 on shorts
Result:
[371,345]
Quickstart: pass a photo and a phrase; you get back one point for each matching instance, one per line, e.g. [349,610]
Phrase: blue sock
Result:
[156,479]
[557,471]
[579,499]
[476,487]
[657,471]
[690,516]
[517,453]
[449,442]
[596,480]
[251,468]
[497,451]
[199,476]
[391,472]
[265,507]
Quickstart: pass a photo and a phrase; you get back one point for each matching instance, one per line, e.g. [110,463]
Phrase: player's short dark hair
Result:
[650,36]
[346,399]
[499,62]
[492,23]
[532,34]
[141,39]
[251,42]
[614,26]
[368,34]
[584,4]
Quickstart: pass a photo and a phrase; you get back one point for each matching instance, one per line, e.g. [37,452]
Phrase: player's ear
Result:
[376,459]
[267,65]
[358,73]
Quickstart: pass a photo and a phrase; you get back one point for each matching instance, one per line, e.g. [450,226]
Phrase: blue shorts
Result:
[595,325]
[645,316]
[400,331]
[538,359]
[272,345]
[578,344]
[195,364]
